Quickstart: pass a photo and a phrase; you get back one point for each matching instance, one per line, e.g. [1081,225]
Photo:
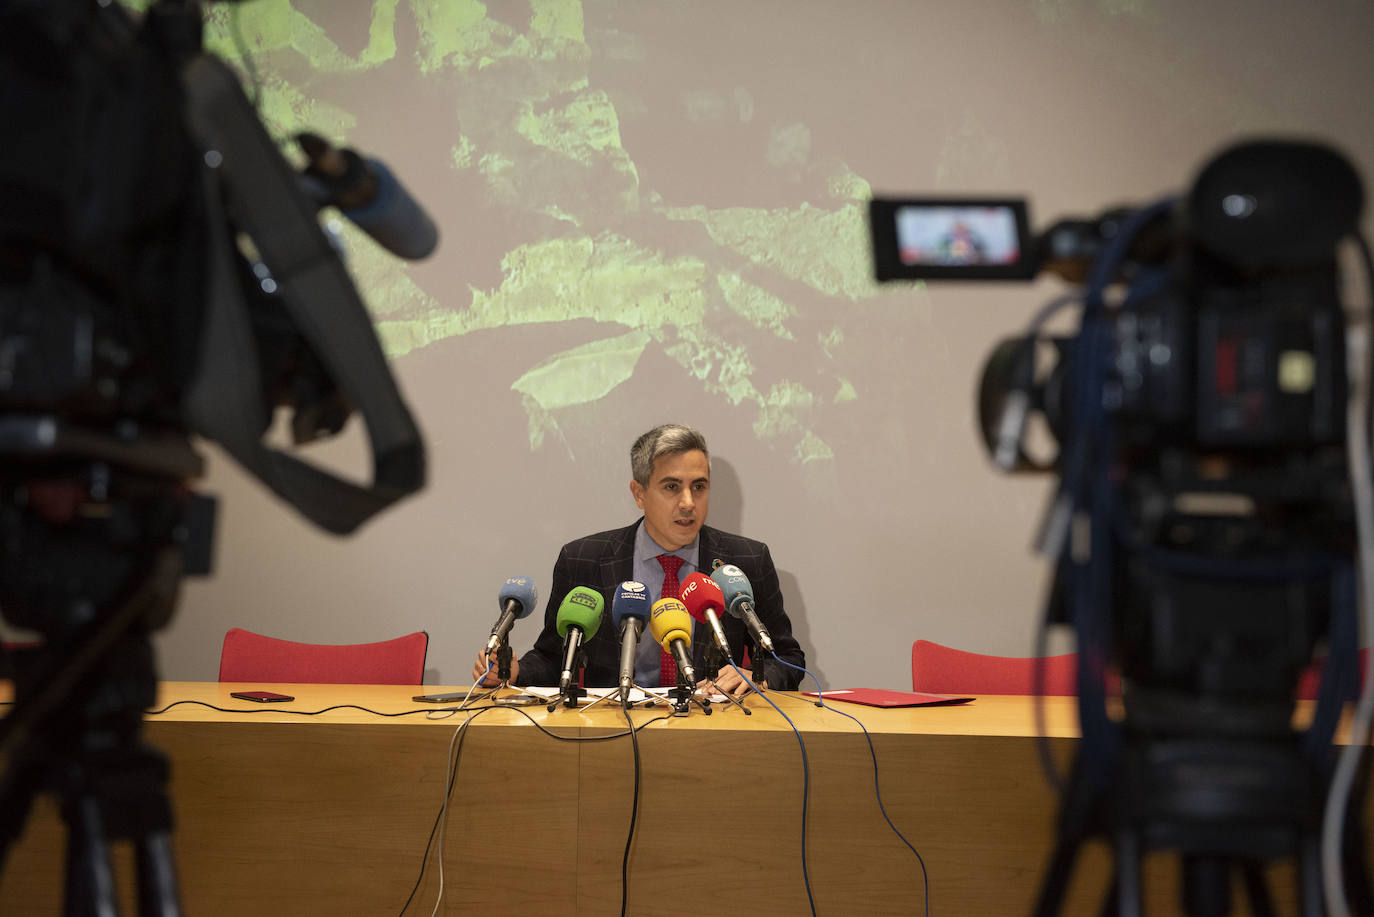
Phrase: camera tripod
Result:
[1229,787]
[91,560]
[110,786]
[1227,804]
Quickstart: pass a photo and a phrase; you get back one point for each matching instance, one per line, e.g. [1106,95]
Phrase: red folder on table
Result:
[882,697]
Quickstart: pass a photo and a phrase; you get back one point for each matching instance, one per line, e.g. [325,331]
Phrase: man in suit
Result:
[671,470]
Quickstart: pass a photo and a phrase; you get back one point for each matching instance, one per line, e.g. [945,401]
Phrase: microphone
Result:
[739,601]
[704,600]
[578,619]
[368,194]
[671,626]
[516,599]
[629,611]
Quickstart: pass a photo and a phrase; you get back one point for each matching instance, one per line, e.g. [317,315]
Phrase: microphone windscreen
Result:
[699,592]
[394,218]
[581,608]
[631,600]
[734,586]
[669,621]
[522,590]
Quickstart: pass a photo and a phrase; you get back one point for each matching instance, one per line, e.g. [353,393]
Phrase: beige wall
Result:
[904,531]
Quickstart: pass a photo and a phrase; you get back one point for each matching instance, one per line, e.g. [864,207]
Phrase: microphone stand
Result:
[714,658]
[503,658]
[503,661]
[756,658]
[574,692]
[682,696]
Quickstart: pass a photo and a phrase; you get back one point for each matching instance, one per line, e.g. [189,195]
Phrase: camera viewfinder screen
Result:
[951,239]
[957,236]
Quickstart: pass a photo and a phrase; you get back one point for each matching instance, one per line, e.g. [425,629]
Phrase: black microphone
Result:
[368,194]
[739,601]
[579,617]
[517,599]
[629,611]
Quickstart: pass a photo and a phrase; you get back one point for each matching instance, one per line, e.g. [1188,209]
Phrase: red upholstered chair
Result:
[1310,680]
[938,669]
[251,657]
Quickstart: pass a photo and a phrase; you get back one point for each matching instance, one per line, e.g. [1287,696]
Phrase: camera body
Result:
[1230,333]
[1199,411]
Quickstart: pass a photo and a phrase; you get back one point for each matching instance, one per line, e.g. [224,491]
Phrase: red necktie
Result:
[667,672]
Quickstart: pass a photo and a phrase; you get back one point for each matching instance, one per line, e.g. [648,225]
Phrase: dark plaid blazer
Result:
[604,560]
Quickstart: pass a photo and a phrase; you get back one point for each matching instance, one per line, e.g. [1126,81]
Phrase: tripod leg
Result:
[157,879]
[90,879]
[1310,892]
[1355,847]
[1257,890]
[1206,886]
[1130,891]
[1075,818]
[17,789]
[1109,904]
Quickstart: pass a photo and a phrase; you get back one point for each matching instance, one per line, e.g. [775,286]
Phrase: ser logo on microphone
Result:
[670,606]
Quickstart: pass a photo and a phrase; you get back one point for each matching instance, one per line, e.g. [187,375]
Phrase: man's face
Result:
[675,501]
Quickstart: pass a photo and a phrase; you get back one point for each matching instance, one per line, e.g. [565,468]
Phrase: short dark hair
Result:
[664,439]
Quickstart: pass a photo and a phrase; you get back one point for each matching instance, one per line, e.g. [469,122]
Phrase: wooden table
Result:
[280,813]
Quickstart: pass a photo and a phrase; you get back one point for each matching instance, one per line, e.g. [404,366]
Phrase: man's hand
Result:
[727,682]
[488,679]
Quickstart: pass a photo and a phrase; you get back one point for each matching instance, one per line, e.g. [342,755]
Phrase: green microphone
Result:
[578,619]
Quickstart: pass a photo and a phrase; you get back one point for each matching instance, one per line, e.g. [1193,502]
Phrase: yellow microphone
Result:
[671,626]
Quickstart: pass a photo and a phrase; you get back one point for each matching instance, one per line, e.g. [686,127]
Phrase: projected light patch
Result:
[957,235]
[516,144]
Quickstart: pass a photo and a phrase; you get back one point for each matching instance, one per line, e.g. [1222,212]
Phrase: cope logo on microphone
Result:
[730,570]
[582,598]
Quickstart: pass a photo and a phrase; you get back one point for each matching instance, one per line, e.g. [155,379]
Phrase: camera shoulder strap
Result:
[247,181]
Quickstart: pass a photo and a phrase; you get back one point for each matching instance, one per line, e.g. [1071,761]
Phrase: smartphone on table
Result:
[262,697]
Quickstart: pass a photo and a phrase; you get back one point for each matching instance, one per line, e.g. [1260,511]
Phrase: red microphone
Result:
[706,602]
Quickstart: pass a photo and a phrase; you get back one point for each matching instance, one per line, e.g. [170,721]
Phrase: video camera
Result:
[163,274]
[1203,529]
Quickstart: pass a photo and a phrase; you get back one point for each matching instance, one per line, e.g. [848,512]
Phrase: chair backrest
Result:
[1309,683]
[251,657]
[939,669]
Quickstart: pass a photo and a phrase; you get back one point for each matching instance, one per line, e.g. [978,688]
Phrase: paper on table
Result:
[637,695]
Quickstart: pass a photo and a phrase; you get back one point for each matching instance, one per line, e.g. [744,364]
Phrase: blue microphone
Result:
[370,196]
[516,599]
[739,602]
[629,611]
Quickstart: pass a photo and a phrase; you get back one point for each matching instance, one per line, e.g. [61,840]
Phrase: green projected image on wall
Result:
[548,139]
